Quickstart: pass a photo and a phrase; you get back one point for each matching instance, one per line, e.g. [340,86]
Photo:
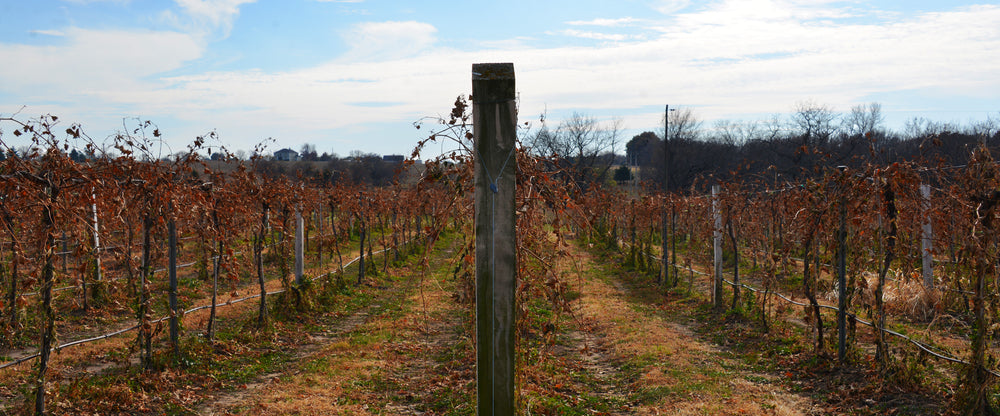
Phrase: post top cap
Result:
[494,71]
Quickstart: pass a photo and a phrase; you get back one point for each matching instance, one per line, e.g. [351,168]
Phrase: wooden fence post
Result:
[841,283]
[495,121]
[97,243]
[145,334]
[664,219]
[361,240]
[172,291]
[717,248]
[926,244]
[318,219]
[299,246]
[673,244]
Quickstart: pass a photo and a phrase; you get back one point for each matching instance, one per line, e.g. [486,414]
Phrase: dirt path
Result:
[660,362]
[218,401]
[410,356]
[411,353]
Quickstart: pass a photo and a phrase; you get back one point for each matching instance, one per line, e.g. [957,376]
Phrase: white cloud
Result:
[57,33]
[212,15]
[614,37]
[376,41]
[625,21]
[92,60]
[670,6]
[520,42]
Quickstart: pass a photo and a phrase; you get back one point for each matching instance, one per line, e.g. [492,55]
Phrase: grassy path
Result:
[618,353]
[662,366]
[402,344]
[412,354]
[624,348]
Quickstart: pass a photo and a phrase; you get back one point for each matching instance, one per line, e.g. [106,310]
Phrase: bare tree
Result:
[772,128]
[583,145]
[985,128]
[736,133]
[726,132]
[684,125]
[814,122]
[308,152]
[864,119]
[545,143]
[918,127]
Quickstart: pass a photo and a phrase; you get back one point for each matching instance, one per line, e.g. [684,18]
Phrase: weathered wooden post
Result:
[717,248]
[97,241]
[926,244]
[665,260]
[361,240]
[495,120]
[841,280]
[318,218]
[145,334]
[673,244]
[172,291]
[299,246]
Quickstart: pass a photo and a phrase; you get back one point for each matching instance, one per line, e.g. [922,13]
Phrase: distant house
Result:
[286,155]
[393,158]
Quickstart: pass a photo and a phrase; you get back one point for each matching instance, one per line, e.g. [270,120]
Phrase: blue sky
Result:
[355,74]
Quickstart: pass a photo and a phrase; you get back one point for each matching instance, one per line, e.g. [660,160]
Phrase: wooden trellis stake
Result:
[716,248]
[495,120]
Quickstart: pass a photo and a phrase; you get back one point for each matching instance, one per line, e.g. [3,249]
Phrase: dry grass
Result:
[385,365]
[677,374]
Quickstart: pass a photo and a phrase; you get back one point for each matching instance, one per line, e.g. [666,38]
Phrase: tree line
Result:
[769,151]
[813,139]
[366,169]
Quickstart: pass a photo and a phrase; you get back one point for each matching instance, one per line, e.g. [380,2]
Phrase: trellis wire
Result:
[136,326]
[919,344]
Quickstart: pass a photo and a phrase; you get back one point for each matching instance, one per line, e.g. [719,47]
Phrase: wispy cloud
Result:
[212,15]
[57,33]
[614,37]
[103,63]
[670,6]
[624,21]
[376,41]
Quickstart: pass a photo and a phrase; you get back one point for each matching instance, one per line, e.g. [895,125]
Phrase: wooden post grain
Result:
[926,242]
[841,283]
[172,290]
[97,242]
[495,120]
[299,246]
[716,249]
[665,260]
